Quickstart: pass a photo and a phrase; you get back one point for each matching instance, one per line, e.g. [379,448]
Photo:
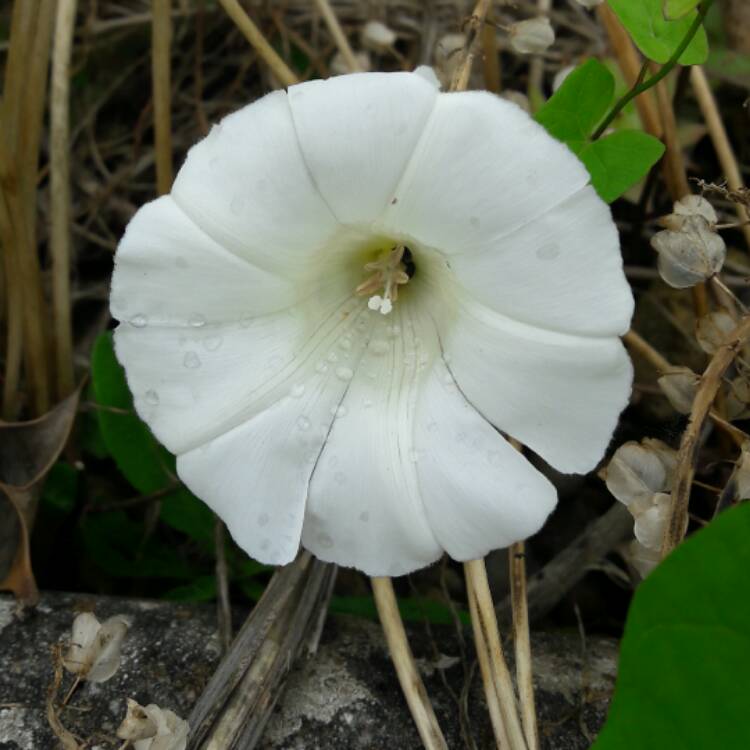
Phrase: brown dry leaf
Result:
[27,452]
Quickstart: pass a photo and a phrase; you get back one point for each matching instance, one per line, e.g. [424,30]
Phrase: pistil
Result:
[388,273]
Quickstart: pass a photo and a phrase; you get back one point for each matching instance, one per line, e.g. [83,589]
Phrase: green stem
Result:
[665,69]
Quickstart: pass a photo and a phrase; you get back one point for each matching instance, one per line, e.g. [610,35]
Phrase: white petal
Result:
[559,394]
[561,271]
[247,185]
[482,169]
[357,133]
[256,475]
[169,272]
[479,493]
[364,509]
[192,384]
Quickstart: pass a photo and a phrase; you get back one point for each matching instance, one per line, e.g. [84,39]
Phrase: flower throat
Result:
[391,270]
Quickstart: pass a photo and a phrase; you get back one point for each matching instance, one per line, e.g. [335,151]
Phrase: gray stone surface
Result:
[346,697]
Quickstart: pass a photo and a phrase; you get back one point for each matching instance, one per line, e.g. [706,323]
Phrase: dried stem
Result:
[223,608]
[719,138]
[403,660]
[687,454]
[536,66]
[260,44]
[491,59]
[60,199]
[486,632]
[161,44]
[332,22]
[463,70]
[491,696]
[522,643]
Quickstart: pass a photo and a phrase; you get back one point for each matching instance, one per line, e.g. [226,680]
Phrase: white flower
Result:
[301,414]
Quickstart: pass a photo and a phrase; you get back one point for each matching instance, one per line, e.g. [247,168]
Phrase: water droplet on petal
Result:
[196,320]
[139,320]
[303,423]
[297,390]
[364,517]
[212,343]
[321,367]
[263,519]
[344,373]
[548,252]
[338,412]
[332,357]
[325,541]
[339,477]
[379,346]
[191,360]
[151,397]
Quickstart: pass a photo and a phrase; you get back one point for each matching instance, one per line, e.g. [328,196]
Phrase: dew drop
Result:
[339,411]
[548,252]
[181,262]
[191,360]
[345,344]
[303,423]
[379,346]
[196,320]
[344,373]
[325,541]
[332,357]
[212,343]
[364,517]
[151,397]
[339,477]
[474,221]
[367,403]
[139,320]
[321,367]
[297,390]
[237,205]
[263,519]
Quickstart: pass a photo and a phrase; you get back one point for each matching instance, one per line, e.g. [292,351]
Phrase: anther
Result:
[388,273]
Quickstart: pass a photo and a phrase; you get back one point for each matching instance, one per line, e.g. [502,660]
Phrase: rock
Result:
[345,697]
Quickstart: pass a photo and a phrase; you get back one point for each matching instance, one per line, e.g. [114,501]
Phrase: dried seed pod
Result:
[689,255]
[643,559]
[95,649]
[712,330]
[378,37]
[340,67]
[532,36]
[696,205]
[638,471]
[738,398]
[137,724]
[742,474]
[650,522]
[679,385]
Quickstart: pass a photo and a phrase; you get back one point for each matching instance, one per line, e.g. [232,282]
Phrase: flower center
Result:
[392,269]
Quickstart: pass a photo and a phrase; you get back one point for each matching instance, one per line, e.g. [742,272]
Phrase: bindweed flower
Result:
[350,287]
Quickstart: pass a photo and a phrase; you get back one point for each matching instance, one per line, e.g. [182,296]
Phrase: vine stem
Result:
[665,69]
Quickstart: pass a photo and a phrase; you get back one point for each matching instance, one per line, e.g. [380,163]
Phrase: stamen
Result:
[389,272]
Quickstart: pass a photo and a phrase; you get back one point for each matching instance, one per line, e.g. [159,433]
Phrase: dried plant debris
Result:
[712,330]
[378,37]
[532,36]
[640,475]
[95,648]
[690,254]
[153,728]
[680,385]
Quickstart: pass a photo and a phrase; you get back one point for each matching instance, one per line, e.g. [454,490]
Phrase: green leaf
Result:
[677,8]
[60,487]
[685,655]
[143,462]
[618,161]
[573,111]
[412,609]
[185,512]
[657,37]
[202,589]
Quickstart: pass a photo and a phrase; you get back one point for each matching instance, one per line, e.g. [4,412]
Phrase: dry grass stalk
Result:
[20,136]
[689,444]
[161,44]
[522,643]
[486,632]
[406,669]
[60,197]
[260,44]
[332,22]
[720,139]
